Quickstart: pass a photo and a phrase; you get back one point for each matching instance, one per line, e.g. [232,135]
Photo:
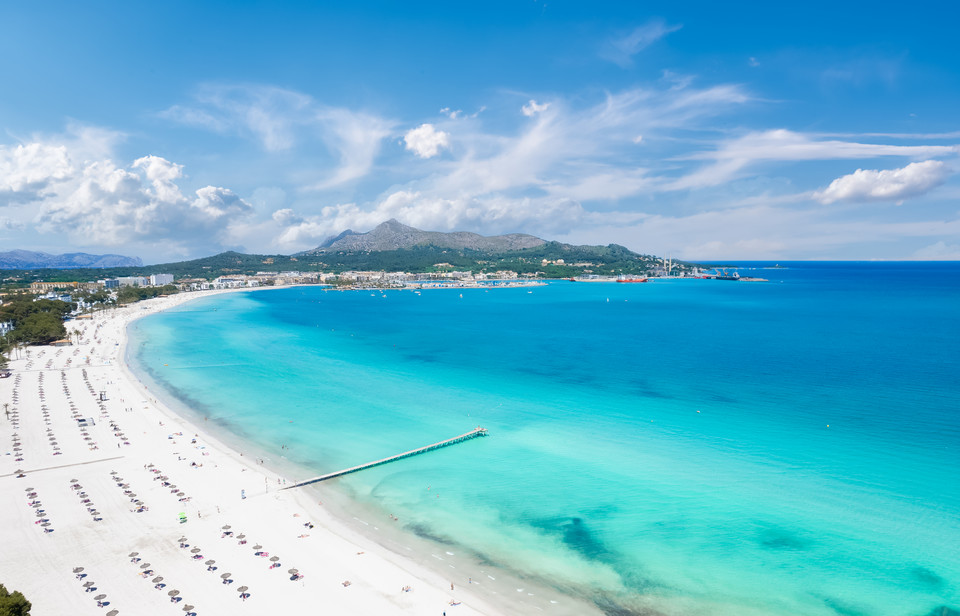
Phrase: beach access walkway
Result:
[478,431]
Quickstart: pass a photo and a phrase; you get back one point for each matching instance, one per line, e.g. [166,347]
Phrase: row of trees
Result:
[35,322]
[128,295]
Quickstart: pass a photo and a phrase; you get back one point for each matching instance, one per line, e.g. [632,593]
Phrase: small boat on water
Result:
[625,278]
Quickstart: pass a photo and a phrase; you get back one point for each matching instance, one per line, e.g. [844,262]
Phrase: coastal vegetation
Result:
[129,295]
[35,322]
[13,603]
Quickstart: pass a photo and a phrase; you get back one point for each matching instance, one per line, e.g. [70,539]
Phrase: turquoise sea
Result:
[676,447]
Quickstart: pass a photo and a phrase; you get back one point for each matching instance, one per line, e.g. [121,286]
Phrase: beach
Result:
[123,507]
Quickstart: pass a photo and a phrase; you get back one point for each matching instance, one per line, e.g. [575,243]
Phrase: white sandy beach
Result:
[84,483]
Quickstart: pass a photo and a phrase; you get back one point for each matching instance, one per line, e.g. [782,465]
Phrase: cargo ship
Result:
[625,278]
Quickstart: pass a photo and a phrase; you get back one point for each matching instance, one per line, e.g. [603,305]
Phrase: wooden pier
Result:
[478,431]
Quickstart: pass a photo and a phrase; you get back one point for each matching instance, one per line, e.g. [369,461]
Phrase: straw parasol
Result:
[258,547]
[241,536]
[77,569]
[194,550]
[225,576]
[210,562]
[100,597]
[174,592]
[87,584]
[226,527]
[186,608]
[144,565]
[157,579]
[113,613]
[243,589]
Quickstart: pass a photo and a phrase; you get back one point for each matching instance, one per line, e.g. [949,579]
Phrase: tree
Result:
[13,604]
[39,328]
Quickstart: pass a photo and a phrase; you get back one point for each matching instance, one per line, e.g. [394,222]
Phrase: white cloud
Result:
[621,50]
[886,185]
[216,202]
[533,108]
[27,172]
[98,203]
[426,141]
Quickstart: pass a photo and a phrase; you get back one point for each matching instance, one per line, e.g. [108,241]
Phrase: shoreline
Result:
[330,552]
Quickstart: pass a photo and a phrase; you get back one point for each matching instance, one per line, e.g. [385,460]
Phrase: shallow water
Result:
[677,447]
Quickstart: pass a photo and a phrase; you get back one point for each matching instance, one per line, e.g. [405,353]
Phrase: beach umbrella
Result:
[241,536]
[77,569]
[258,547]
[225,576]
[179,493]
[174,593]
[182,539]
[144,565]
[226,527]
[159,578]
[274,559]
[132,554]
[100,597]
[74,480]
[186,608]
[27,489]
[194,550]
[210,562]
[293,571]
[87,584]
[113,613]
[113,472]
[45,524]
[243,589]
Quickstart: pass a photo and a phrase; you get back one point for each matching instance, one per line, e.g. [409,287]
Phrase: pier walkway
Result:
[478,431]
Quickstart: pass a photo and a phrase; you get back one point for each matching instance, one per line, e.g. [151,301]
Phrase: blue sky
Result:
[762,131]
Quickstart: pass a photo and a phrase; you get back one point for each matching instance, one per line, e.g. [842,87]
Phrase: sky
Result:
[696,130]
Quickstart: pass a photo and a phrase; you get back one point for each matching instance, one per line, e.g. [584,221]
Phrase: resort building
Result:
[44,287]
[158,280]
[134,281]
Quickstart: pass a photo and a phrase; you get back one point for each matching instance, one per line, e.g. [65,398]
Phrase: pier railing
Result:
[478,431]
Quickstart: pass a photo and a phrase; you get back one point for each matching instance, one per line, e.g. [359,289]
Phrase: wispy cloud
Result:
[734,156]
[280,119]
[620,50]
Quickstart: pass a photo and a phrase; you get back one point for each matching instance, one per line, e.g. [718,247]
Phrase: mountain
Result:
[392,235]
[26,259]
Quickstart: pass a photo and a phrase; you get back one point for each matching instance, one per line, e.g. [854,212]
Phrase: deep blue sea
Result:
[676,447]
